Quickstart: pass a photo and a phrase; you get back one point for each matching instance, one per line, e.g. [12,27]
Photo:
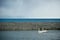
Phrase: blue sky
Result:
[30,9]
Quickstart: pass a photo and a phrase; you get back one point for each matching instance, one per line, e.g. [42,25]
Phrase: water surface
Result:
[30,35]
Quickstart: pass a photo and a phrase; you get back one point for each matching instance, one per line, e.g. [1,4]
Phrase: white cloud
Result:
[51,9]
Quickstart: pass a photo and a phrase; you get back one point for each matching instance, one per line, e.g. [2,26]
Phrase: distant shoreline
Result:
[18,26]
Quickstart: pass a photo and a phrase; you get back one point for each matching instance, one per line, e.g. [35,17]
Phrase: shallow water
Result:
[30,35]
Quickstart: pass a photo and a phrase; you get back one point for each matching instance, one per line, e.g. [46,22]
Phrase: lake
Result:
[30,35]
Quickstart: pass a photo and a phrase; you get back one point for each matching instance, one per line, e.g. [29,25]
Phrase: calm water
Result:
[29,35]
[29,20]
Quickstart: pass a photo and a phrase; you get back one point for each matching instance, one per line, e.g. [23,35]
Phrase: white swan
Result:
[39,31]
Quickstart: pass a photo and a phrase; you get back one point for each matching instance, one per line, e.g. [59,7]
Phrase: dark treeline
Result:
[13,26]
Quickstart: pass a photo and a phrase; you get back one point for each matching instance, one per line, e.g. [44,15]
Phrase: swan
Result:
[39,31]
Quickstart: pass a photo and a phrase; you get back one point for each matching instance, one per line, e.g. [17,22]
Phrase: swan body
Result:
[39,31]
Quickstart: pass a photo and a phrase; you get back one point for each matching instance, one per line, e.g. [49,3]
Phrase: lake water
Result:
[30,35]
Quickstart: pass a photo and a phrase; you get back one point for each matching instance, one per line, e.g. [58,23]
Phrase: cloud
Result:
[30,9]
[48,9]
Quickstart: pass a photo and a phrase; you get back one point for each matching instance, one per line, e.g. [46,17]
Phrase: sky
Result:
[29,8]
